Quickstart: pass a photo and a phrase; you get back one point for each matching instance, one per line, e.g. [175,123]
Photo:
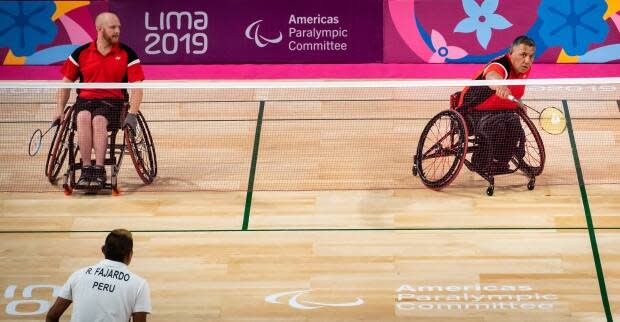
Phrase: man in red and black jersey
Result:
[488,111]
[104,60]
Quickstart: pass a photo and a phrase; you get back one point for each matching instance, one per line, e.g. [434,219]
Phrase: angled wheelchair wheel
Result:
[142,150]
[531,151]
[442,149]
[58,149]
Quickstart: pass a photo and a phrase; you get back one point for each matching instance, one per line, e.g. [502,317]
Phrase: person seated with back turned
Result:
[104,60]
[108,290]
[490,114]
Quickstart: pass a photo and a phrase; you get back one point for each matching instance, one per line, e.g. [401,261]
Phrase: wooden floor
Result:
[337,228]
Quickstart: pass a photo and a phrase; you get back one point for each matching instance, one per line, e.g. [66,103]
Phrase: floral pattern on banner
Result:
[443,51]
[26,25]
[586,31]
[437,31]
[573,25]
[43,32]
[482,19]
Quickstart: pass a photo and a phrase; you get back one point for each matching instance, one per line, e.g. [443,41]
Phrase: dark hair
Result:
[525,40]
[118,245]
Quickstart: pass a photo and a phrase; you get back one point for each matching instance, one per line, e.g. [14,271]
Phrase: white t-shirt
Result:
[107,291]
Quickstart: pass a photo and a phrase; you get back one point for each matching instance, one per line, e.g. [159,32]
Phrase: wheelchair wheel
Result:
[442,149]
[142,150]
[58,149]
[531,151]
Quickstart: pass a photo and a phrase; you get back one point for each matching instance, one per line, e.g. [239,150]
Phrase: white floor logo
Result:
[28,305]
[295,302]
[251,32]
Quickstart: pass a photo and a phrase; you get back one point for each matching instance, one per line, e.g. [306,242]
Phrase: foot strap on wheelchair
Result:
[99,177]
[86,175]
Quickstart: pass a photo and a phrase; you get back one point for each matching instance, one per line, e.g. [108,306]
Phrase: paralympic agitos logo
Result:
[251,32]
[295,301]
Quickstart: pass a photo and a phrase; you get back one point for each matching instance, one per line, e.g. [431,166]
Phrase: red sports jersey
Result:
[483,97]
[120,65]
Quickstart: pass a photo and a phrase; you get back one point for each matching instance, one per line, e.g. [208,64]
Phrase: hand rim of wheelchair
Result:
[58,149]
[532,170]
[522,164]
[147,171]
[458,151]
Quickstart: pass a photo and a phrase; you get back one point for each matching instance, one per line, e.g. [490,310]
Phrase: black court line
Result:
[586,207]
[248,196]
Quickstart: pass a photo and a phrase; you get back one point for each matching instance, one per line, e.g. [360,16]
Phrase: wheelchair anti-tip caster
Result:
[490,190]
[414,169]
[531,184]
[67,189]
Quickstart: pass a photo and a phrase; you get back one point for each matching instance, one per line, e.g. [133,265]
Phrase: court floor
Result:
[327,256]
[333,228]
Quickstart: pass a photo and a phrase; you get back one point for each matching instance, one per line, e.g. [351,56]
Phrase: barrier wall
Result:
[474,31]
[320,31]
[249,31]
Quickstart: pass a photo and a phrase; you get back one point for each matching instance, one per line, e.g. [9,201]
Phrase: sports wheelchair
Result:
[138,143]
[447,140]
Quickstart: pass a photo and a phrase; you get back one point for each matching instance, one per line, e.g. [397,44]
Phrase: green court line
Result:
[586,207]
[309,230]
[248,196]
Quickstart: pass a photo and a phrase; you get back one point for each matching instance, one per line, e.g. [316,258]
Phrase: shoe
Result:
[86,175]
[99,177]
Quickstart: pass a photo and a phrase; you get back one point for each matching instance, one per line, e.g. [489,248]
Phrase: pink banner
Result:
[475,31]
[320,71]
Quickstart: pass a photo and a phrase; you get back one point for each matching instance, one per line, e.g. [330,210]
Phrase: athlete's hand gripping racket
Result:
[551,119]
[37,137]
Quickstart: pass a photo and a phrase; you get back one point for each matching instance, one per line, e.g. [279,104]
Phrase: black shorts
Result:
[498,134]
[108,108]
[476,118]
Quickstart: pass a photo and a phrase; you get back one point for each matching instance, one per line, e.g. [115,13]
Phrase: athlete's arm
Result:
[61,99]
[138,317]
[500,90]
[59,307]
[135,100]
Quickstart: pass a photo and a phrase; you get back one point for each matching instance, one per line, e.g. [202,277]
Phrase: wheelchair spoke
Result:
[142,154]
[440,151]
[533,153]
[445,149]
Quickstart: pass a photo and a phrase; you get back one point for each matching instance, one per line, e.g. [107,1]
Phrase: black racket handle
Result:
[54,124]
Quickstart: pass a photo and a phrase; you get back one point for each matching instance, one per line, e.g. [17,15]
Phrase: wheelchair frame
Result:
[459,146]
[137,142]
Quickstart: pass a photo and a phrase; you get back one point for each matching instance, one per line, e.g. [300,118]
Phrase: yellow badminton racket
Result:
[551,119]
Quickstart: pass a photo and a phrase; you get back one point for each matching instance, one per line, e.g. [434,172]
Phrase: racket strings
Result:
[35,143]
[552,120]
